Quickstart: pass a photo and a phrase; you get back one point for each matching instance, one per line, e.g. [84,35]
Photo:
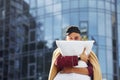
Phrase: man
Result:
[64,64]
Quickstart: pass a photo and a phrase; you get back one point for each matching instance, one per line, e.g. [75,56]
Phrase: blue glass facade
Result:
[28,29]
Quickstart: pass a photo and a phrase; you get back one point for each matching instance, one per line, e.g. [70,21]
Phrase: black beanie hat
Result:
[72,29]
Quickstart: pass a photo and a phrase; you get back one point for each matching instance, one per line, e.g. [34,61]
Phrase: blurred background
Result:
[29,28]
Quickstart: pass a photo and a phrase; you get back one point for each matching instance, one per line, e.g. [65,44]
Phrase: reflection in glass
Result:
[57,27]
[108,26]
[1,43]
[57,7]
[113,7]
[83,16]
[48,2]
[48,31]
[84,29]
[109,57]
[48,28]
[107,4]
[101,4]
[102,41]
[31,70]
[74,19]
[92,3]
[74,4]
[101,24]
[65,20]
[83,3]
[40,30]
[32,35]
[24,66]
[41,11]
[92,23]
[118,7]
[65,5]
[49,9]
[57,1]
[27,1]
[109,43]
[40,3]
[102,58]
[33,4]
[33,12]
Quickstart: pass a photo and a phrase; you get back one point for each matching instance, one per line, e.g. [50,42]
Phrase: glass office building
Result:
[29,28]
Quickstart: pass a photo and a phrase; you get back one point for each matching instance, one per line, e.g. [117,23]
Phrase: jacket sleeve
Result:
[66,61]
[53,68]
[90,69]
[97,75]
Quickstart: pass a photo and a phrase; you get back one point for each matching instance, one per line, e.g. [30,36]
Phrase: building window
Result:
[101,4]
[25,48]
[84,29]
[92,3]
[32,46]
[1,44]
[65,5]
[24,66]
[83,3]
[32,57]
[32,36]
[31,69]
[2,14]
[74,4]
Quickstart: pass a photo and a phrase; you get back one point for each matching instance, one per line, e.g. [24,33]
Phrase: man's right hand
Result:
[83,56]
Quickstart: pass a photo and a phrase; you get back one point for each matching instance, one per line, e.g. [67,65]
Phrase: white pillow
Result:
[71,48]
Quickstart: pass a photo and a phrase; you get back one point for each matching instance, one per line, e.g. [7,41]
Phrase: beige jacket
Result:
[92,57]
